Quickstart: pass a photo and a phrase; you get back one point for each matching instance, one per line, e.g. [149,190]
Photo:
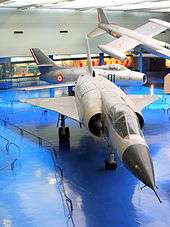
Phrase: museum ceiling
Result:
[121,5]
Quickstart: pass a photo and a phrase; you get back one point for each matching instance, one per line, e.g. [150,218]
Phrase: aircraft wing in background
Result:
[34,88]
[125,43]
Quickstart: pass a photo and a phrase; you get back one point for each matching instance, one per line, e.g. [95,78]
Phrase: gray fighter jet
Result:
[107,112]
[128,39]
[67,76]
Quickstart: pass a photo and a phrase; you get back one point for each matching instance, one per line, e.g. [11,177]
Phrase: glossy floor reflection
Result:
[100,198]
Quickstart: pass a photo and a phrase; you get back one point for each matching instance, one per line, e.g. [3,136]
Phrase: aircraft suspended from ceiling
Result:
[128,39]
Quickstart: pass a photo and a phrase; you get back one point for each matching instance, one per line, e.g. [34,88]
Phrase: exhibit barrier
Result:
[16,82]
[59,174]
[9,154]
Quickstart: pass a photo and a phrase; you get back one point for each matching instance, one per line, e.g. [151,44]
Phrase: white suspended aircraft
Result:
[128,39]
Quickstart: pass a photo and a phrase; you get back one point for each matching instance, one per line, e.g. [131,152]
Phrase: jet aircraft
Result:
[66,76]
[107,112]
[128,39]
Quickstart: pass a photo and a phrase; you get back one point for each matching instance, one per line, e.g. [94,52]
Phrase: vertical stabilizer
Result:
[40,58]
[102,19]
[44,63]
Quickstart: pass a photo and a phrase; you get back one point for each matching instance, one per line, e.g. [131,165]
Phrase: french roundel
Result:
[60,78]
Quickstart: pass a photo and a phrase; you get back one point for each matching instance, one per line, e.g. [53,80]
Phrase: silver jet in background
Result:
[66,76]
[128,39]
[107,112]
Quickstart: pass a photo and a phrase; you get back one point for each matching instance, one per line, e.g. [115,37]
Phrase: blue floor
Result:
[30,194]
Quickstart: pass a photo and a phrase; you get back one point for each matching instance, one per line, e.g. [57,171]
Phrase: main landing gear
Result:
[63,132]
[71,91]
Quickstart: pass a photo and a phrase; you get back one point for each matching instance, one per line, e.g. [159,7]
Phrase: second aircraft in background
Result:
[67,76]
[128,39]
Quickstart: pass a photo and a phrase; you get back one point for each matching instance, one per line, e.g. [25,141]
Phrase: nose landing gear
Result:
[110,163]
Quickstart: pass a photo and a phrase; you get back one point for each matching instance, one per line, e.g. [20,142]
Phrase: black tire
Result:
[60,133]
[71,93]
[110,165]
[67,133]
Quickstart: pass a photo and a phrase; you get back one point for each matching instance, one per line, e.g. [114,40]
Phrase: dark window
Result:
[18,32]
[64,31]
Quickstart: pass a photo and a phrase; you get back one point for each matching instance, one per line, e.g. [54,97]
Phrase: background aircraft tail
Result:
[101,19]
[45,64]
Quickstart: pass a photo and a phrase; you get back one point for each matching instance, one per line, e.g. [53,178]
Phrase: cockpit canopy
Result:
[125,120]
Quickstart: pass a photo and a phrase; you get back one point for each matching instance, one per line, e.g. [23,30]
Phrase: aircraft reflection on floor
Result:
[102,198]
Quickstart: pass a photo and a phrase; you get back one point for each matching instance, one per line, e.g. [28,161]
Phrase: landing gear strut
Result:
[63,132]
[71,91]
[110,163]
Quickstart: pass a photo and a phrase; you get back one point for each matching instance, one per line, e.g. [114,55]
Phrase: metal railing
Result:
[58,170]
[10,161]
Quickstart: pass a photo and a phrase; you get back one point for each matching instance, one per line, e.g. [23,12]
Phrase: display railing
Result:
[58,170]
[7,157]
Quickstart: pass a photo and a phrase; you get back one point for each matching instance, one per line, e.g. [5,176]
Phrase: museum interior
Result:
[84,113]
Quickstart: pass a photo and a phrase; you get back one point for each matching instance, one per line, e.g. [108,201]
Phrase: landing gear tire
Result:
[64,134]
[71,93]
[67,133]
[110,165]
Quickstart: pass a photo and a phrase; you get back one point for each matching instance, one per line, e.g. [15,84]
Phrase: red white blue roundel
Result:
[60,78]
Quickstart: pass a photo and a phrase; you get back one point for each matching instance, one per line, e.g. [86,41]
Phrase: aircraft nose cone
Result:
[137,159]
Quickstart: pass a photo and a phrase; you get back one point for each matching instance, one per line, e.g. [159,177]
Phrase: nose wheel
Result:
[110,163]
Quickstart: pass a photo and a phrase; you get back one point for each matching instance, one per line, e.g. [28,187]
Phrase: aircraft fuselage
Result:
[155,46]
[108,112]
[112,72]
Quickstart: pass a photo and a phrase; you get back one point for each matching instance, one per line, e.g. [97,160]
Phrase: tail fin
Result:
[102,17]
[45,64]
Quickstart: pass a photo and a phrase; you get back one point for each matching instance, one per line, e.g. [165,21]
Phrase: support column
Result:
[4,76]
[11,70]
[101,55]
[141,63]
[52,92]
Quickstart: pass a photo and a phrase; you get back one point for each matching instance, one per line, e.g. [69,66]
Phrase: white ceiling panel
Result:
[121,5]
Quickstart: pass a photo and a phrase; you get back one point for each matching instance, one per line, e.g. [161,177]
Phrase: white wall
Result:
[41,29]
